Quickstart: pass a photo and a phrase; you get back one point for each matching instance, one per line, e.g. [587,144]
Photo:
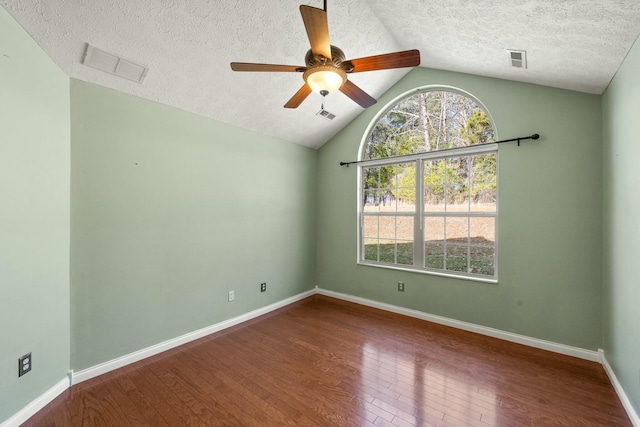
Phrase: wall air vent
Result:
[517,58]
[327,115]
[113,64]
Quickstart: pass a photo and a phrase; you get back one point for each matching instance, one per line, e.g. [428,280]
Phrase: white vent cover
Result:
[327,115]
[517,58]
[113,64]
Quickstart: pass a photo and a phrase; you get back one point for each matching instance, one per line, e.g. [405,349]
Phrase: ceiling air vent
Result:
[517,58]
[113,64]
[327,115]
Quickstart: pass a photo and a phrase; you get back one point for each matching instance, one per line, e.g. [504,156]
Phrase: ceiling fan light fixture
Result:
[325,69]
[325,78]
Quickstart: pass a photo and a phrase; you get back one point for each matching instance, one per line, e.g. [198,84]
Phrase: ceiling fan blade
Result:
[300,96]
[407,58]
[315,22]
[249,66]
[357,94]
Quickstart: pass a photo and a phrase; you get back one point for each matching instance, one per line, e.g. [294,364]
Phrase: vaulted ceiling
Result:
[188,45]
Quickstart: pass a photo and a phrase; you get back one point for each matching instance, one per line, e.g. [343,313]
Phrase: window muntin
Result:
[432,210]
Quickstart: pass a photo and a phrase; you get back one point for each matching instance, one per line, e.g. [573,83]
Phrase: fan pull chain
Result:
[323,93]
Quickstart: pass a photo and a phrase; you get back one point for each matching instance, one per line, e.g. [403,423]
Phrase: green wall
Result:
[550,257]
[621,232]
[34,218]
[169,212]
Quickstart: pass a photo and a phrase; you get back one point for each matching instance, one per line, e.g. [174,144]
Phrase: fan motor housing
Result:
[336,61]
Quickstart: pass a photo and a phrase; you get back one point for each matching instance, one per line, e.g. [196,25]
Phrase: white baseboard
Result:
[471,327]
[40,402]
[127,359]
[594,356]
[633,415]
[76,377]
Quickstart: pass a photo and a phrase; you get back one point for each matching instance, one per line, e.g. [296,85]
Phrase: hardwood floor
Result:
[325,362]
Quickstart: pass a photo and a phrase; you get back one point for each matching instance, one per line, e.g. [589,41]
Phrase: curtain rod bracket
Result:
[534,136]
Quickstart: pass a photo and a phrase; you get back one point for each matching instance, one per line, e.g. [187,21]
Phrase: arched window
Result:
[428,187]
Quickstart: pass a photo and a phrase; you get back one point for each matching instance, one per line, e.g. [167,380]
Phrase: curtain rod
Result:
[522,138]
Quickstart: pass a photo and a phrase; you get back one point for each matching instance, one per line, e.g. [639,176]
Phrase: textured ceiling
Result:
[188,45]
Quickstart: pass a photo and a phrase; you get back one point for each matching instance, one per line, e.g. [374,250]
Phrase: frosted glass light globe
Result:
[325,78]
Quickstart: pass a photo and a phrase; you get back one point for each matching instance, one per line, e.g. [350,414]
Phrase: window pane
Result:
[457,197]
[482,230]
[457,230]
[371,249]
[455,182]
[434,229]
[404,232]
[370,237]
[387,252]
[483,168]
[405,252]
[434,186]
[456,258]
[434,255]
[434,172]
[483,183]
[457,264]
[371,200]
[386,201]
[483,198]
[371,189]
[434,242]
[387,229]
[370,178]
[482,260]
[404,228]
[370,229]
[434,198]
[404,188]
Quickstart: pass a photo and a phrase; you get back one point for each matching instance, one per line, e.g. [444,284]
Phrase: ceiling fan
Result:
[326,69]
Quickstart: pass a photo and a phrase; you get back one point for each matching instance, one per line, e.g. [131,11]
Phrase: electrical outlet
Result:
[401,286]
[263,287]
[232,295]
[24,364]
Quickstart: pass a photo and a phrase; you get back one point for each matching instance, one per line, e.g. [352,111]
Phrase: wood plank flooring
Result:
[325,362]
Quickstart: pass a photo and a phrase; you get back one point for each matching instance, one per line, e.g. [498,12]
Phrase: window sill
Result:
[430,272]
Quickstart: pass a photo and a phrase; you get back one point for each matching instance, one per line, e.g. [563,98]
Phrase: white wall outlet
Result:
[401,286]
[232,295]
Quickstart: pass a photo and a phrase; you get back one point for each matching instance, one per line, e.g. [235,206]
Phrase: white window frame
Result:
[419,214]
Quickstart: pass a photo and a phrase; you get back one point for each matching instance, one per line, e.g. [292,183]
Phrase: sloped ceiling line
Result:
[188,45]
